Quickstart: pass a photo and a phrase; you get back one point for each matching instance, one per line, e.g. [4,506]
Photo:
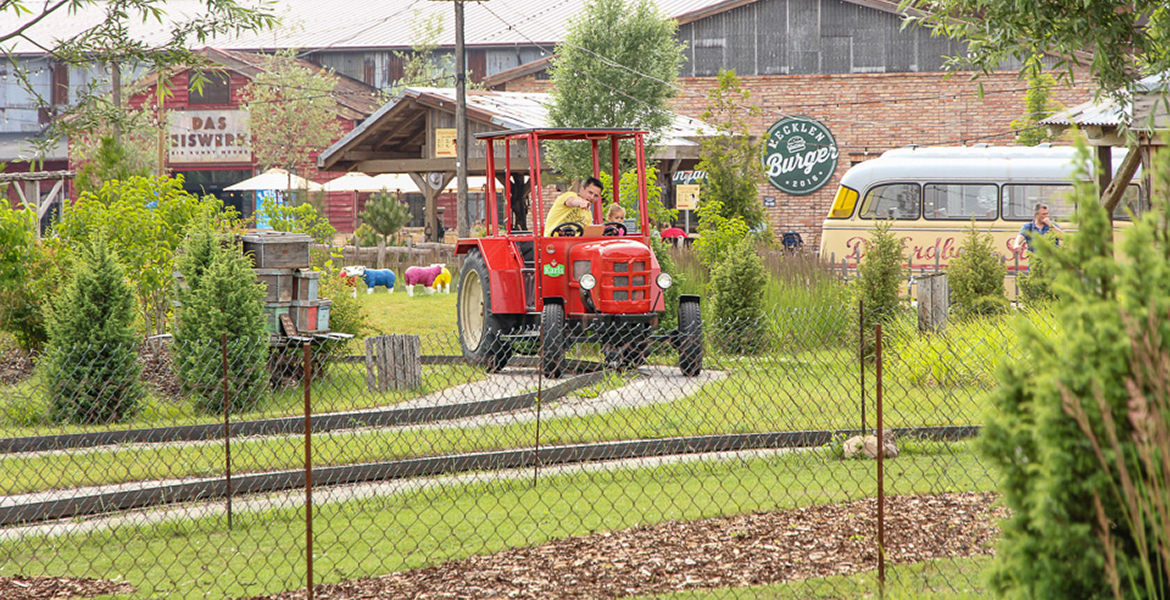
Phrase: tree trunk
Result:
[381,250]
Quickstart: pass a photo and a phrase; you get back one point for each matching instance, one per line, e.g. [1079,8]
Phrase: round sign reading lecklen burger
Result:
[800,155]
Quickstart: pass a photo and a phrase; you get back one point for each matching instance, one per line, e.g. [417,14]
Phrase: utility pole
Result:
[461,137]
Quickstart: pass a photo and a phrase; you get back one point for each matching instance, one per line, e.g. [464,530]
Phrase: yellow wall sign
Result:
[686,197]
[445,143]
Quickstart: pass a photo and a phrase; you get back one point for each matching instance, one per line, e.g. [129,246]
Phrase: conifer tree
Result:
[92,365]
[386,216]
[880,273]
[976,277]
[221,296]
[738,284]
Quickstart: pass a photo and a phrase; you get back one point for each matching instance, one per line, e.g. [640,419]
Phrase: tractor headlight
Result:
[665,280]
[588,281]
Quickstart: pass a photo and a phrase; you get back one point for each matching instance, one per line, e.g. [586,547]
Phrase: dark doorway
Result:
[213,182]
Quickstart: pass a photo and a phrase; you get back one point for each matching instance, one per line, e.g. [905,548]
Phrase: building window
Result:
[216,90]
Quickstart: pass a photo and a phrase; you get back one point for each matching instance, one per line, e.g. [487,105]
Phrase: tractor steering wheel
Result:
[615,228]
[568,230]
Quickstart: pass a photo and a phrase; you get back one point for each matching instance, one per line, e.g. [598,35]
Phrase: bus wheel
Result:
[479,330]
[552,331]
[690,338]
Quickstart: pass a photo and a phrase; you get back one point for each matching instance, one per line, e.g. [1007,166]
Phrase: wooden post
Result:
[393,362]
[933,302]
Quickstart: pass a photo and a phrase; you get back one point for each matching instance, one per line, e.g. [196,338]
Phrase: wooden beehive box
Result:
[277,249]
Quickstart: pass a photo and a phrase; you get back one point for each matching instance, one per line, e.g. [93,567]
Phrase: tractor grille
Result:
[628,280]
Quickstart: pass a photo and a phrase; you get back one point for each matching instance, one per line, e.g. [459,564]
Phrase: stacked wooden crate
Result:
[281,262]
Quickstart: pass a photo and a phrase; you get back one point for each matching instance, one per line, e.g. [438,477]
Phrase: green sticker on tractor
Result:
[554,270]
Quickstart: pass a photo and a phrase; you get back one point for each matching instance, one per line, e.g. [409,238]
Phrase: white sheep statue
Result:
[372,277]
[428,277]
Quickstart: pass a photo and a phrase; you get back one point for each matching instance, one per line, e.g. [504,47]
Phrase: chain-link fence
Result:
[718,458]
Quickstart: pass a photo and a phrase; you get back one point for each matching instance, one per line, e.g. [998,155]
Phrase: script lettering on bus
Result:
[920,253]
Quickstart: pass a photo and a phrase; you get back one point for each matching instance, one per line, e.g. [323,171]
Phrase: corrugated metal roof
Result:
[1104,112]
[345,24]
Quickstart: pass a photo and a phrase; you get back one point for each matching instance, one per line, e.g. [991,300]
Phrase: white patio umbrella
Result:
[396,182]
[353,182]
[274,179]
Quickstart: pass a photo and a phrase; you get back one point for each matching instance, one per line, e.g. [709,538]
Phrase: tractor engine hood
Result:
[624,270]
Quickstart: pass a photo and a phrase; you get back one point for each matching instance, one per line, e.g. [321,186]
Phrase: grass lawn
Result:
[429,316]
[264,552]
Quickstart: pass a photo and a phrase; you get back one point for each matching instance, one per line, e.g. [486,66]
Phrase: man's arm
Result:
[576,202]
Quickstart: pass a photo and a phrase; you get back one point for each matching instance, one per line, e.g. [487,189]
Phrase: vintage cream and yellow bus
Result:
[932,194]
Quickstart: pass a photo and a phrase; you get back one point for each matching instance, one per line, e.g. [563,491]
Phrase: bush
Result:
[880,275]
[738,283]
[1036,283]
[347,315]
[1064,424]
[669,319]
[221,296]
[30,271]
[976,277]
[92,368]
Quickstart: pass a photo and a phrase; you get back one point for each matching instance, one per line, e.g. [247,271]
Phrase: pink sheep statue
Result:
[428,277]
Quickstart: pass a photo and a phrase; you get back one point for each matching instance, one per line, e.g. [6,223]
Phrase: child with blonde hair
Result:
[615,212]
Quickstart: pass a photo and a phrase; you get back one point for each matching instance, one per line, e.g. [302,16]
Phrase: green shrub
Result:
[976,277]
[669,318]
[303,218]
[92,367]
[880,275]
[738,283]
[1036,283]
[1073,527]
[221,296]
[31,270]
[347,315]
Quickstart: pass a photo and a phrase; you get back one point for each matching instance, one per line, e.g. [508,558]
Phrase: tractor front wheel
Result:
[690,338]
[553,340]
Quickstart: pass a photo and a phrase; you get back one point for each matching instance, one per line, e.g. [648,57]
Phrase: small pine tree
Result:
[1036,283]
[385,215]
[880,274]
[976,277]
[92,365]
[221,296]
[738,283]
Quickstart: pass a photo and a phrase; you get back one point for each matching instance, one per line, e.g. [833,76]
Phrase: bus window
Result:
[1131,199]
[1018,201]
[844,203]
[960,202]
[892,201]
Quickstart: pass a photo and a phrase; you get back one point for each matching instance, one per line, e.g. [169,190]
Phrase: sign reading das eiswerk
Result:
[800,155]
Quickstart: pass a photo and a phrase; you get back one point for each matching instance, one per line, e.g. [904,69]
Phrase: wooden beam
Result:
[417,165]
[37,176]
[1112,194]
[47,203]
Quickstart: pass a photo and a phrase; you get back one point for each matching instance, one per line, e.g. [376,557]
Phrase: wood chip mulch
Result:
[758,549]
[46,588]
[158,370]
[15,366]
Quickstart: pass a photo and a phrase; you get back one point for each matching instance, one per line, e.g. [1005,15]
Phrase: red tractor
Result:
[589,284]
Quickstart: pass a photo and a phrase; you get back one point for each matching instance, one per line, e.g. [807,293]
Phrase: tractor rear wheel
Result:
[480,331]
[553,340]
[690,338]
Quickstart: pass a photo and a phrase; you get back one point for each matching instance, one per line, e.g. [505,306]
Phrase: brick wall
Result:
[869,114]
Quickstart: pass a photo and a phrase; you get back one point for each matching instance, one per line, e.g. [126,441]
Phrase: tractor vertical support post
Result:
[492,221]
[308,371]
[881,452]
[640,161]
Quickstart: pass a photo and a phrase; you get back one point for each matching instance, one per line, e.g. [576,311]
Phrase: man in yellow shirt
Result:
[574,208]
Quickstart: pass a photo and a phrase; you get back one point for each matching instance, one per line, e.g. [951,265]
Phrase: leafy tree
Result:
[385,215]
[1038,105]
[616,68]
[111,39]
[738,283]
[1066,423]
[880,274]
[92,366]
[101,157]
[221,296]
[422,66]
[1119,41]
[976,277]
[290,112]
[628,195]
[731,158]
[300,219]
[145,220]
[31,271]
[718,234]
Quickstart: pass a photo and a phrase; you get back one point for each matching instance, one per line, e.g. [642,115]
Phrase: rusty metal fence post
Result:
[227,432]
[881,452]
[308,373]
